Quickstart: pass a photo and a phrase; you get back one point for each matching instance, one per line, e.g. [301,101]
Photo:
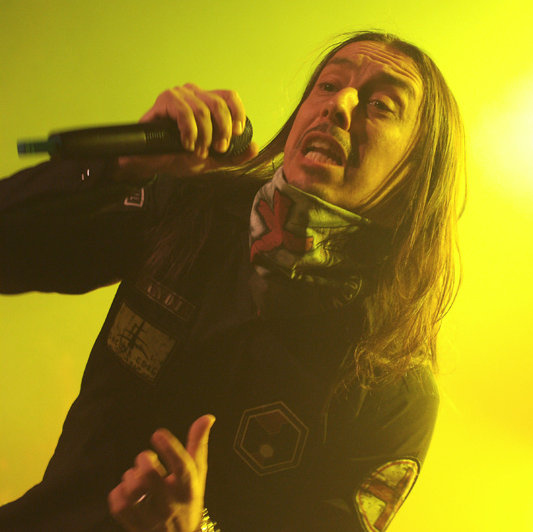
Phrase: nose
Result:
[340,106]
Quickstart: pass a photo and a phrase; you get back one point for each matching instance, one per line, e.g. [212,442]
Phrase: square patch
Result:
[138,344]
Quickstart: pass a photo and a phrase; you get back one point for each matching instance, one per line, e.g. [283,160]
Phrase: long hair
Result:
[417,282]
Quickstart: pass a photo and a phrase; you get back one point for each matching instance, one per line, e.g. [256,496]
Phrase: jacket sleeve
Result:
[66,227]
[377,445]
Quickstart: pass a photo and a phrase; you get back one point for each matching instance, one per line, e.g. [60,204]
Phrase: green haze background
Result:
[69,64]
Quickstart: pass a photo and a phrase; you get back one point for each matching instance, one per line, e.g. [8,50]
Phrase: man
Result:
[307,328]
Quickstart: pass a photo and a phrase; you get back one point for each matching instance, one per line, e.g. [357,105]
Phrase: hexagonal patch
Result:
[270,438]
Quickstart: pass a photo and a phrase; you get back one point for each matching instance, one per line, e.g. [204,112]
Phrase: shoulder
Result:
[417,388]
[395,419]
[376,444]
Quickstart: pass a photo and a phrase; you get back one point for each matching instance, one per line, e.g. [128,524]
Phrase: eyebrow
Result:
[382,77]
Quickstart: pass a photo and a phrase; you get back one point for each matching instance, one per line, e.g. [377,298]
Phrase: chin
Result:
[312,178]
[316,183]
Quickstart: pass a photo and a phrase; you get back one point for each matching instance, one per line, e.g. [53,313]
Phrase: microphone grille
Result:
[239,144]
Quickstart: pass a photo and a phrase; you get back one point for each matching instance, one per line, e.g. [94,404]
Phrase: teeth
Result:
[324,148]
[319,144]
[319,157]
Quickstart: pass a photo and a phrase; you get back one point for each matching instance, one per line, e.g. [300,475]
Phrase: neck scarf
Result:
[322,249]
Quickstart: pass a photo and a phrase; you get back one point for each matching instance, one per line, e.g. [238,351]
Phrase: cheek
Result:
[388,146]
[301,123]
[290,144]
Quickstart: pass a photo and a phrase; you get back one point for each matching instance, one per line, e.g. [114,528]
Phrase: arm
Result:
[64,226]
[375,452]
[72,226]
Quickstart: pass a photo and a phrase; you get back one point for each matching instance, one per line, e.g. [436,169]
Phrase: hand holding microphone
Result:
[187,131]
[205,119]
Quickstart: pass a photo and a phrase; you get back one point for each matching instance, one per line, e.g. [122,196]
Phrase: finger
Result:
[147,476]
[221,118]
[133,517]
[203,117]
[118,500]
[133,486]
[136,517]
[149,469]
[236,107]
[203,120]
[177,461]
[172,104]
[118,508]
[197,443]
[140,501]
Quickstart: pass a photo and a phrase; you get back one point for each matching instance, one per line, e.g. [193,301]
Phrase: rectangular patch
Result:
[136,199]
[138,344]
[174,303]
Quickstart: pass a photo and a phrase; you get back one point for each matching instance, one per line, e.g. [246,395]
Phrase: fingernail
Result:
[199,151]
[239,128]
[189,145]
[222,145]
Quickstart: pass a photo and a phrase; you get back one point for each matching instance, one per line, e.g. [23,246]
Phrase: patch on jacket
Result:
[136,199]
[169,300]
[138,344]
[380,496]
[270,438]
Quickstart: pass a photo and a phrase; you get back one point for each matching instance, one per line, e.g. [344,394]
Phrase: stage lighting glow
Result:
[505,134]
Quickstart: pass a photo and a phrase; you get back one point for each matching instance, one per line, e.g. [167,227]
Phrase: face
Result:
[355,126]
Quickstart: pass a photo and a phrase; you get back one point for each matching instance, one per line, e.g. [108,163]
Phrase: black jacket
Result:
[279,458]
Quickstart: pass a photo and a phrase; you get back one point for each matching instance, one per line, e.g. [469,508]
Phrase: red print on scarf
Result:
[278,235]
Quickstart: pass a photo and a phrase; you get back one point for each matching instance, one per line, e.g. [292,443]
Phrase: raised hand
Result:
[165,491]
[206,119]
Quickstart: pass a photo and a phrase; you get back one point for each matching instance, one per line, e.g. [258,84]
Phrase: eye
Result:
[379,104]
[328,86]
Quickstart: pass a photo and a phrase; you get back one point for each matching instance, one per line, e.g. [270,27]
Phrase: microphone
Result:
[147,138]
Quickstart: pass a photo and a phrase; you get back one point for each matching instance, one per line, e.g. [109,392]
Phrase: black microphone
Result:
[147,138]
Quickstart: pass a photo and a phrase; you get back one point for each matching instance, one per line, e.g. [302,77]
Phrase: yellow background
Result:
[66,64]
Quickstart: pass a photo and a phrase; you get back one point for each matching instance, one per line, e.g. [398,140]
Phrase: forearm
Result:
[62,228]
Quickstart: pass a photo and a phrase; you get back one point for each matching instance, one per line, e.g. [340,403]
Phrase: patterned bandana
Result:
[309,240]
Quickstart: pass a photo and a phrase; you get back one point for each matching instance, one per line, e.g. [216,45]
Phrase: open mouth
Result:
[318,150]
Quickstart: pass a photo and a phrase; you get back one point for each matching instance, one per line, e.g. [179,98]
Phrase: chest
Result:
[200,347]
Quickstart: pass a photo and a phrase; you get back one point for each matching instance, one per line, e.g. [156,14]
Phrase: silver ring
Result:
[143,508]
[142,500]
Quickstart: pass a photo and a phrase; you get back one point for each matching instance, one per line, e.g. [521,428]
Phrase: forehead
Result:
[368,57]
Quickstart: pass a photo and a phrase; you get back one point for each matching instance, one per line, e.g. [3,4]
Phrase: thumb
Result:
[197,442]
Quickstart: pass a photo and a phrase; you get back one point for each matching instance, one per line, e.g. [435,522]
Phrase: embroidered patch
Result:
[136,199]
[270,438]
[383,492]
[141,346]
[174,303]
